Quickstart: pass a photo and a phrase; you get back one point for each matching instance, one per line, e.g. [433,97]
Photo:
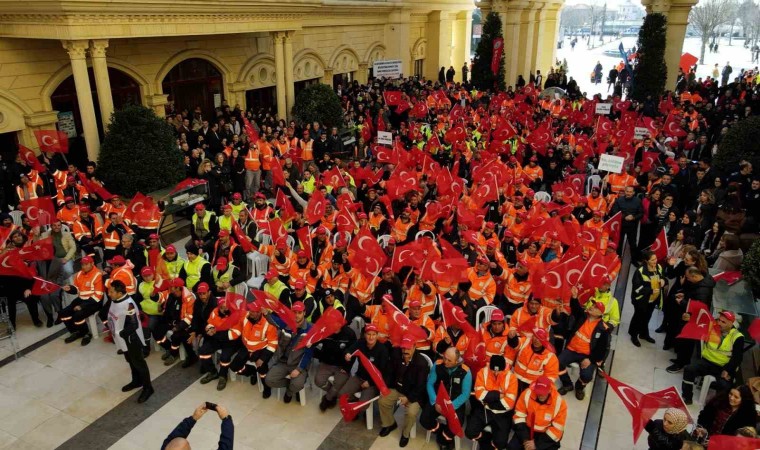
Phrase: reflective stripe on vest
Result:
[721,354]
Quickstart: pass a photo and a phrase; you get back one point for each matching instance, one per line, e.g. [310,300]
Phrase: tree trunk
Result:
[702,50]
[731,35]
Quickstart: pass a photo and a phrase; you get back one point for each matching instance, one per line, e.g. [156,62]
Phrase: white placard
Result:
[611,163]
[640,132]
[385,137]
[66,123]
[217,100]
[603,108]
[387,69]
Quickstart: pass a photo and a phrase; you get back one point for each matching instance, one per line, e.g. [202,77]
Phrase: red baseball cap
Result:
[253,306]
[221,263]
[227,206]
[387,270]
[237,196]
[147,271]
[68,199]
[302,254]
[298,307]
[542,386]
[728,315]
[170,249]
[153,236]
[407,342]
[321,230]
[200,207]
[84,209]
[490,225]
[361,215]
[300,284]
[202,287]
[224,233]
[178,282]
[497,316]
[117,260]
[271,274]
[415,304]
[369,328]
[260,195]
[87,259]
[599,306]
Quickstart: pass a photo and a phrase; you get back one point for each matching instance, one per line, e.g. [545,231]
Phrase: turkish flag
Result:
[754,330]
[12,264]
[365,254]
[730,277]
[329,323]
[455,134]
[448,251]
[43,287]
[595,271]
[253,136]
[287,211]
[278,175]
[486,192]
[419,111]
[649,161]
[496,52]
[31,160]
[182,185]
[39,210]
[475,355]
[631,398]
[392,98]
[506,131]
[385,155]
[350,410]
[304,239]
[41,250]
[672,127]
[52,141]
[139,203]
[375,374]
[315,208]
[456,113]
[445,270]
[333,178]
[400,325]
[345,221]
[613,226]
[660,246]
[453,315]
[472,219]
[268,301]
[443,400]
[96,188]
[723,442]
[446,184]
[276,229]
[242,240]
[409,255]
[553,279]
[700,324]
[400,183]
[603,126]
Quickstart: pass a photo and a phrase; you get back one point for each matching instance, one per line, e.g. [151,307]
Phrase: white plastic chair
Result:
[383,240]
[16,216]
[707,380]
[65,228]
[592,182]
[263,237]
[291,242]
[542,196]
[484,312]
[258,264]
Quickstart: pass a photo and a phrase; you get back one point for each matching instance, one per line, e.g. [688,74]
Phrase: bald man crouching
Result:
[177,440]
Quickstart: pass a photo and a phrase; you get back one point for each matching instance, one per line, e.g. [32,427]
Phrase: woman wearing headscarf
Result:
[668,433]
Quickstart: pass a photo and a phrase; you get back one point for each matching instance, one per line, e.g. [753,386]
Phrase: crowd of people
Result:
[500,188]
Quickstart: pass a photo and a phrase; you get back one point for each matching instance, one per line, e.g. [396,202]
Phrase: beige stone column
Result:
[439,37]
[547,37]
[678,19]
[459,43]
[514,48]
[290,92]
[397,43]
[76,51]
[327,77]
[362,74]
[102,82]
[279,69]
[157,102]
[531,18]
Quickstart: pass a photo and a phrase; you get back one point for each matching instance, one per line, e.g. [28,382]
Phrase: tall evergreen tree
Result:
[651,72]
[482,76]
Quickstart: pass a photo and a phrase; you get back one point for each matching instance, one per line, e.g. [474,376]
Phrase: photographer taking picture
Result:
[177,439]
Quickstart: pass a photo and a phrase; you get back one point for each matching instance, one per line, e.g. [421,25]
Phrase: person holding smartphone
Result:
[177,439]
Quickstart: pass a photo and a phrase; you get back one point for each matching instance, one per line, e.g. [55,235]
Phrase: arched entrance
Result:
[124,91]
[195,82]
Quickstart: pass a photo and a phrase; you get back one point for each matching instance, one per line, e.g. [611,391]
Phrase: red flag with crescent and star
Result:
[452,270]
[701,324]
[41,250]
[184,184]
[400,325]
[371,369]
[613,226]
[365,254]
[52,141]
[31,160]
[723,442]
[12,264]
[287,211]
[40,210]
[443,400]
[350,410]
[268,301]
[660,246]
[44,287]
[453,315]
[315,208]
[498,51]
[138,204]
[329,323]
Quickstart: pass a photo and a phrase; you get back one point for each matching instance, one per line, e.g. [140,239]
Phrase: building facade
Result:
[69,64]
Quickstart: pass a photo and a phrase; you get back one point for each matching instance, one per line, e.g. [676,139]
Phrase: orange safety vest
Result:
[261,216]
[581,341]
[282,268]
[108,208]
[68,216]
[307,149]
[111,240]
[123,274]
[533,172]
[31,187]
[188,303]
[253,159]
[428,301]
[441,333]
[548,417]
[618,182]
[482,286]
[267,155]
[80,230]
[89,285]
[597,204]
[380,320]
[336,282]
[400,230]
[259,336]
[426,323]
[504,383]
[362,287]
[520,316]
[530,365]
[218,322]
[303,273]
[517,292]
[495,345]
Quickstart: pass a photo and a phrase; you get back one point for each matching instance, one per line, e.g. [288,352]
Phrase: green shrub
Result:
[318,103]
[751,266]
[139,153]
[741,142]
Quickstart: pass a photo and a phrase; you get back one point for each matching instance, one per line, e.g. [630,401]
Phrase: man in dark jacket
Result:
[588,346]
[633,211]
[696,287]
[177,440]
[321,147]
[332,363]
[407,383]
[377,354]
